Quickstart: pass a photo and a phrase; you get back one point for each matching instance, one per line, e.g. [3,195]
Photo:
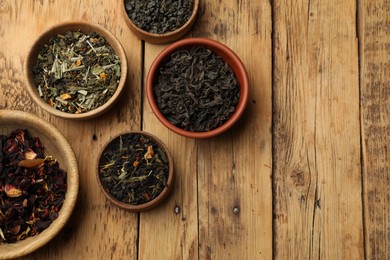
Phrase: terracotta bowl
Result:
[156,201]
[85,27]
[227,55]
[57,146]
[163,38]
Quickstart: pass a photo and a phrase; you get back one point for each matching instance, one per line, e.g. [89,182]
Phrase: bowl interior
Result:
[227,55]
[163,37]
[85,27]
[56,145]
[164,193]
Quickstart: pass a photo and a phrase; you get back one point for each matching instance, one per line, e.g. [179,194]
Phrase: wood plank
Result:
[173,226]
[97,229]
[317,169]
[374,42]
[226,172]
[234,169]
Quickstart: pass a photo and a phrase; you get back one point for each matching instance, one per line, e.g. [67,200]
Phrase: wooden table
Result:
[303,175]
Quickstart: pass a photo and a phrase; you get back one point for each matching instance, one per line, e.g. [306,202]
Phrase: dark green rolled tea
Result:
[134,169]
[77,72]
[159,16]
[196,90]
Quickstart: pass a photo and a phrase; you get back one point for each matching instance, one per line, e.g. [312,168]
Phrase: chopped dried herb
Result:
[33,187]
[196,90]
[159,16]
[134,169]
[77,72]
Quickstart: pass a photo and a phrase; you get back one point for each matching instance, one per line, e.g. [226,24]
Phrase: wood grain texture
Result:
[317,169]
[234,169]
[374,35]
[96,229]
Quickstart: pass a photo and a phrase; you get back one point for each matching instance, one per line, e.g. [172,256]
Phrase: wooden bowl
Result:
[227,55]
[85,27]
[163,38]
[156,201]
[57,146]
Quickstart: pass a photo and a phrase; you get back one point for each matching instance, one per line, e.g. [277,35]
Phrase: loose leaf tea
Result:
[77,72]
[196,90]
[159,16]
[33,187]
[134,169]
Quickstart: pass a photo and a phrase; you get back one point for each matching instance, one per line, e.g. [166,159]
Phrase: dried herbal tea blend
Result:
[33,187]
[159,16]
[196,90]
[76,73]
[134,169]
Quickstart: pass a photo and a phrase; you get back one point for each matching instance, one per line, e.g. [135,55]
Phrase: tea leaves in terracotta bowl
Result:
[196,90]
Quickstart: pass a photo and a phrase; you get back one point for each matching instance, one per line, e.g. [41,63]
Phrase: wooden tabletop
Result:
[303,175]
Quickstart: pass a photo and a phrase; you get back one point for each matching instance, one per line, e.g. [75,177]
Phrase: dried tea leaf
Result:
[76,61]
[130,168]
[161,16]
[196,90]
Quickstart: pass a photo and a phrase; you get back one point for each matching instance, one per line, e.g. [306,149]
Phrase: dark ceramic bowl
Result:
[227,55]
[163,38]
[154,202]
[57,146]
[85,27]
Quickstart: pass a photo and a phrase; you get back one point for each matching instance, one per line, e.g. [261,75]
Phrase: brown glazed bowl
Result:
[85,27]
[163,38]
[57,146]
[156,201]
[227,55]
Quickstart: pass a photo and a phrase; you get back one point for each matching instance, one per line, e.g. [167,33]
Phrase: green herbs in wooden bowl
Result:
[76,70]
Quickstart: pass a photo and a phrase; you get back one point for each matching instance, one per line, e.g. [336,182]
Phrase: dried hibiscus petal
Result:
[32,187]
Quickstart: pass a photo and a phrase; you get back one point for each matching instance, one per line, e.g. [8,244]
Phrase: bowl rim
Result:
[161,38]
[31,244]
[164,193]
[228,55]
[71,26]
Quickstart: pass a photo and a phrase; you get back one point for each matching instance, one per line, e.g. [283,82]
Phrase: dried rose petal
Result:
[29,154]
[11,191]
[149,153]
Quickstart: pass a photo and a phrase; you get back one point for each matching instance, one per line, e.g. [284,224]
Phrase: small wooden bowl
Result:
[57,146]
[163,38]
[227,55]
[156,201]
[85,27]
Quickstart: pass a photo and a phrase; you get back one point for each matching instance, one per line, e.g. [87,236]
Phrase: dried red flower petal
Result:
[32,187]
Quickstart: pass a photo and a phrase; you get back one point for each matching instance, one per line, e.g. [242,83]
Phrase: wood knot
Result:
[298,178]
[4,6]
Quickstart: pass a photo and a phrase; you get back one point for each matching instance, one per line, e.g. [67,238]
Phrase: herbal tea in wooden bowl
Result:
[160,21]
[38,183]
[76,70]
[197,87]
[135,171]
